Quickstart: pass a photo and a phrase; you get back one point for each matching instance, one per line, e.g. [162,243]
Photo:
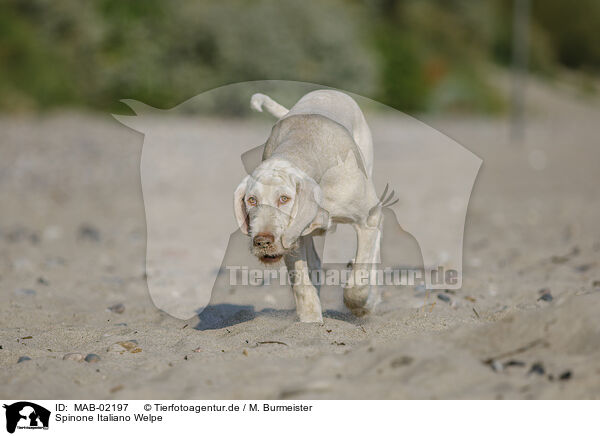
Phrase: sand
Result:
[72,231]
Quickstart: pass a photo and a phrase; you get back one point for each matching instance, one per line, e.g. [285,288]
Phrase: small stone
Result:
[497,365]
[537,368]
[89,232]
[52,233]
[117,308]
[401,361]
[25,292]
[565,375]
[444,298]
[92,358]
[116,389]
[16,235]
[123,346]
[75,357]
[23,359]
[545,295]
[559,259]
[596,283]
[514,363]
[245,352]
[42,281]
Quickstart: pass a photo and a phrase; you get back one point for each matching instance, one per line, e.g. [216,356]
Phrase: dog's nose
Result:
[263,240]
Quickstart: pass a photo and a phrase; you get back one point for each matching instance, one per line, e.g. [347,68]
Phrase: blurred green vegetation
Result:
[415,55]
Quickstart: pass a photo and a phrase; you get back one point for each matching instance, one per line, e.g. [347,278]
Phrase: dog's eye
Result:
[284,199]
[252,201]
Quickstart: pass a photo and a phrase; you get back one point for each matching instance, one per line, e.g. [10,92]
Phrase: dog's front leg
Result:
[308,305]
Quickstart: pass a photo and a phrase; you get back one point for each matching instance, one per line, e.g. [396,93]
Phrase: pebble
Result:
[545,295]
[22,264]
[537,368]
[444,298]
[116,388]
[497,365]
[25,291]
[514,363]
[86,231]
[75,357]
[52,233]
[596,283]
[92,358]
[559,259]
[401,361]
[565,375]
[23,359]
[123,346]
[117,308]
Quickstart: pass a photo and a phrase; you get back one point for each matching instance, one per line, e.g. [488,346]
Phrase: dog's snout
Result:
[263,240]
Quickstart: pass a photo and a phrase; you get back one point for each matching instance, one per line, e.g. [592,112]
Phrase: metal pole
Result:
[520,55]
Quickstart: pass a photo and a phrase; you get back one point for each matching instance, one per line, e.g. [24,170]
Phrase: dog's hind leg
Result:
[359,296]
[308,305]
[258,101]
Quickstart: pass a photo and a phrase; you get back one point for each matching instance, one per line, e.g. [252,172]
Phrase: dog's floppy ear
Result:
[239,206]
[307,215]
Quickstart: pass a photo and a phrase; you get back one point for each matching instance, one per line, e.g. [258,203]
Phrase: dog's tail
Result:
[374,212]
[258,101]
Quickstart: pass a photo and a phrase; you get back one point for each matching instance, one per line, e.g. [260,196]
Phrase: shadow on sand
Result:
[223,315]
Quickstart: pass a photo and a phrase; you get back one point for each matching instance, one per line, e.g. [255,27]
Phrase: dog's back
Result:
[342,109]
[323,124]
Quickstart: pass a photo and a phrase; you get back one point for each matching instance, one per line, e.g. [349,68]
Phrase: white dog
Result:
[315,172]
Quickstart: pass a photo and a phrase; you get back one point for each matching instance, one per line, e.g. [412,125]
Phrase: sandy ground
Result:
[72,232]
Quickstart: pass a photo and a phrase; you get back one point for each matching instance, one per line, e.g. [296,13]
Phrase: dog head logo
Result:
[26,415]
[190,170]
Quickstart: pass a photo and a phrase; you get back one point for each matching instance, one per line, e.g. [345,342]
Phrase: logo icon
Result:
[190,167]
[26,415]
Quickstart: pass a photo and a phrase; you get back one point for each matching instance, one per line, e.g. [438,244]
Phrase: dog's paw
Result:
[356,298]
[311,317]
[359,312]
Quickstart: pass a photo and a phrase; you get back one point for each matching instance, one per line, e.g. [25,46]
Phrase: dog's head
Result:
[276,205]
